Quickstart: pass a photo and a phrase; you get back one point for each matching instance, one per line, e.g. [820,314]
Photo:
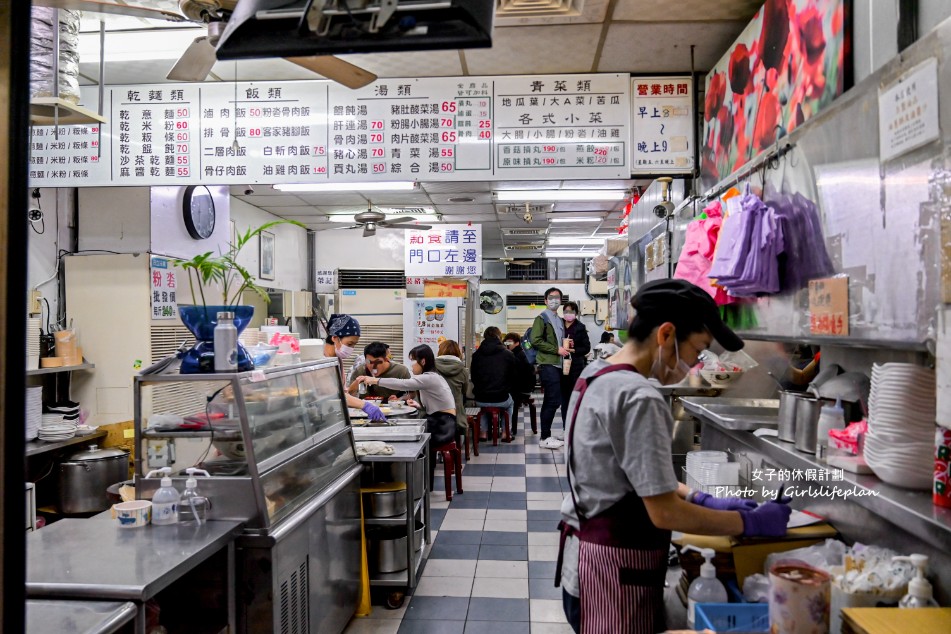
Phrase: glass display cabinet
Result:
[278,447]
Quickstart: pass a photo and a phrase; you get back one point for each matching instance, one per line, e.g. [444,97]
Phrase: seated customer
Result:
[524,382]
[493,372]
[606,348]
[377,363]
[450,366]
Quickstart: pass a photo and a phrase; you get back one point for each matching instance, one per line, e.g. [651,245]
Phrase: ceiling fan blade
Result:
[99,6]
[421,227]
[336,69]
[195,63]
[368,231]
[400,220]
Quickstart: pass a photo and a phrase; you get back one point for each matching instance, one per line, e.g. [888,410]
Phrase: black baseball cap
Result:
[670,297]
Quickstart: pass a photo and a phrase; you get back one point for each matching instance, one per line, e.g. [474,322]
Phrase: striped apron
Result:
[622,559]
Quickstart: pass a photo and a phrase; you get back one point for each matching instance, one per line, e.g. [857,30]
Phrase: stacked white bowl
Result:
[32,344]
[34,411]
[899,446]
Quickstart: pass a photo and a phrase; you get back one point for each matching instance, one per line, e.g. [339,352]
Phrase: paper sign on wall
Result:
[444,251]
[430,321]
[325,281]
[445,288]
[908,111]
[829,306]
[662,126]
[164,288]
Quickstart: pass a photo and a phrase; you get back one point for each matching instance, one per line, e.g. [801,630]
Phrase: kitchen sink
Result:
[736,413]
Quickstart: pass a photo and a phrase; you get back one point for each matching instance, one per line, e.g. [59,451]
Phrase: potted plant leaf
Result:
[213,277]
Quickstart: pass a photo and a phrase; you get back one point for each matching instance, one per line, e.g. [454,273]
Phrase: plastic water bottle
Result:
[226,343]
[193,508]
[830,417]
[165,500]
[706,588]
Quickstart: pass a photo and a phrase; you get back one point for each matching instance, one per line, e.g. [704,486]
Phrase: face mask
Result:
[553,304]
[344,352]
[375,371]
[509,344]
[664,373]
[570,317]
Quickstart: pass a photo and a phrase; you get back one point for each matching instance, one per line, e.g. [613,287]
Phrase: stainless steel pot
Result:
[396,472]
[787,415]
[85,476]
[387,503]
[387,550]
[807,423]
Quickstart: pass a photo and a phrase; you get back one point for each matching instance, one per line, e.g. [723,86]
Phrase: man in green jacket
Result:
[548,333]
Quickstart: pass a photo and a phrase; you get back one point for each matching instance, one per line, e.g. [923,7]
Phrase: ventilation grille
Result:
[390,335]
[525,232]
[530,300]
[533,246]
[519,209]
[370,278]
[536,272]
[183,399]
[537,8]
[293,604]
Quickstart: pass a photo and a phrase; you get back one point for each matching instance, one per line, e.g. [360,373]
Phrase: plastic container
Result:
[193,508]
[165,500]
[733,617]
[830,417]
[706,588]
[920,594]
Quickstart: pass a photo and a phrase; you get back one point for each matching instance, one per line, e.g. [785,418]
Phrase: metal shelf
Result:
[397,520]
[399,577]
[53,110]
[36,447]
[85,365]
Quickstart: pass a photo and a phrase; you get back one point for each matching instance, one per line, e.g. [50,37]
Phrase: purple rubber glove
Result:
[767,520]
[722,504]
[374,412]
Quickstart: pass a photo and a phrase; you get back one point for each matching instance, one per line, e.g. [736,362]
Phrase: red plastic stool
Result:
[451,460]
[494,413]
[472,435]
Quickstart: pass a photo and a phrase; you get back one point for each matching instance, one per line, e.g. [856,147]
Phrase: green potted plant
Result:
[215,276]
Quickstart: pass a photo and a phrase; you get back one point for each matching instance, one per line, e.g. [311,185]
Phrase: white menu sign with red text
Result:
[662,125]
[442,128]
[444,251]
[164,289]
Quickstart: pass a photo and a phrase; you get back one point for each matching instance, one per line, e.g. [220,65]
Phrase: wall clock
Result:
[198,210]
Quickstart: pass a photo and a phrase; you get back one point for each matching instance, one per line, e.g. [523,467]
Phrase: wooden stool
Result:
[451,461]
[472,434]
[494,414]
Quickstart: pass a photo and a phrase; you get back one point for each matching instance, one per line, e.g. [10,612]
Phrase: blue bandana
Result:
[343,326]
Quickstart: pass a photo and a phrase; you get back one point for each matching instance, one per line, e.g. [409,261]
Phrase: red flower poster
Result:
[786,66]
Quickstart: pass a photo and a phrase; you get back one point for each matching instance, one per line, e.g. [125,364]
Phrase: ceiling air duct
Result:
[41,53]
[298,28]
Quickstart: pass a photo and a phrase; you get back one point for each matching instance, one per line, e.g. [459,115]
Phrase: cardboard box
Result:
[895,620]
[121,435]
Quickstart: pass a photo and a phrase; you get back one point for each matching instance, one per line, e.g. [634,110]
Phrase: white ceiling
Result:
[569,36]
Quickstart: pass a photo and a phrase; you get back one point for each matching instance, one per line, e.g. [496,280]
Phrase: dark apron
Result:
[622,562]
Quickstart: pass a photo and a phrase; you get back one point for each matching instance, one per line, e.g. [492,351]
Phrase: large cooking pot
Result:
[85,476]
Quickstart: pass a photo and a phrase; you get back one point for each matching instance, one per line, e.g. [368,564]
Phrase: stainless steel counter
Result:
[403,451]
[95,559]
[44,616]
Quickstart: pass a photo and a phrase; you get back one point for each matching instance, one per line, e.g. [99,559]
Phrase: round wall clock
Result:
[198,210]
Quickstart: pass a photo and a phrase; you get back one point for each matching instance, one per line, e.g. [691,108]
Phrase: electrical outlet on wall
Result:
[35,297]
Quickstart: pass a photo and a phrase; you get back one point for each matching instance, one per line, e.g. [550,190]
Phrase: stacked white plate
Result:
[34,411]
[707,470]
[55,428]
[32,344]
[899,446]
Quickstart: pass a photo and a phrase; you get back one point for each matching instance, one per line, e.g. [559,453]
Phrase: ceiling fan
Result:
[199,58]
[373,218]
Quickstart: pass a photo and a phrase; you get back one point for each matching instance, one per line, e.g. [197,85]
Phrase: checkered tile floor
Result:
[491,566]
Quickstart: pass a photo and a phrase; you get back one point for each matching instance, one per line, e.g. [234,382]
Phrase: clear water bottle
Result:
[226,343]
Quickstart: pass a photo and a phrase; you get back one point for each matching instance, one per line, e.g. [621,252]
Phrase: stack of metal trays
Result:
[402,431]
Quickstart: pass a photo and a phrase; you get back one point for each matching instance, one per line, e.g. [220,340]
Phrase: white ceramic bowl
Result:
[720,379]
[134,514]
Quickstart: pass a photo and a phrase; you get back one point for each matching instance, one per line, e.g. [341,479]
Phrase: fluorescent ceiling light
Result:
[137,46]
[558,253]
[578,195]
[348,218]
[585,219]
[380,186]
[572,240]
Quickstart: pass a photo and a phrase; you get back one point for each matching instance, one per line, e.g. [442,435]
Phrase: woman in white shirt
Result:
[435,395]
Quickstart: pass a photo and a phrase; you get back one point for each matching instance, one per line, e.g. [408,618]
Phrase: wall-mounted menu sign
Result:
[463,128]
[663,123]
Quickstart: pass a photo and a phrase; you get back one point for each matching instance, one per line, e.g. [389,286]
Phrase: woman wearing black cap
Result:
[624,497]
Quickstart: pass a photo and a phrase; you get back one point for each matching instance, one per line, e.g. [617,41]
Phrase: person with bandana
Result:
[624,499]
[343,333]
[577,333]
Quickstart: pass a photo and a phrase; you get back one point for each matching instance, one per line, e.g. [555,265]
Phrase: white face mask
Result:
[570,317]
[344,352]
[669,375]
[553,304]
[509,344]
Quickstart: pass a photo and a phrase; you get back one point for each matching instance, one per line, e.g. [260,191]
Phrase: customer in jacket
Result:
[376,362]
[624,499]
[493,372]
[524,383]
[548,332]
[450,365]
[577,333]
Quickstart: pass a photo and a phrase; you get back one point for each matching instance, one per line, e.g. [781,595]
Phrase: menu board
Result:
[463,128]
[663,125]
